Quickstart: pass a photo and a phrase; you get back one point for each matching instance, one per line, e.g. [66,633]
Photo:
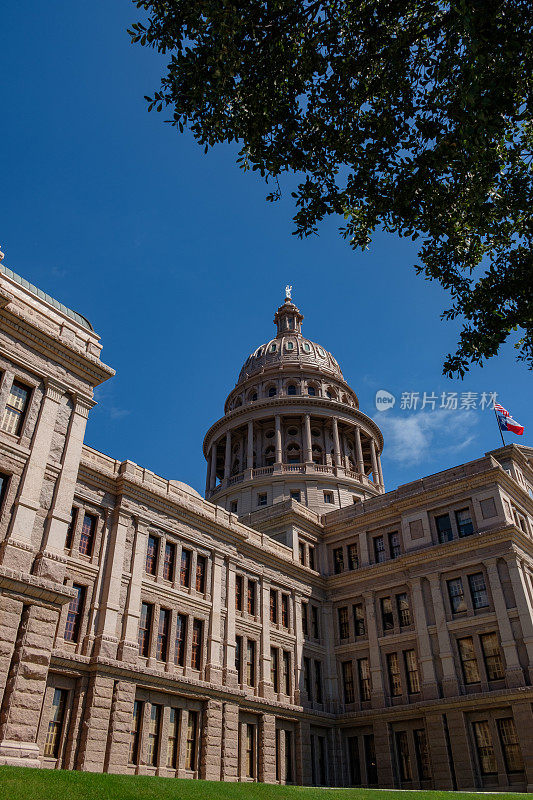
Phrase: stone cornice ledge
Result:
[34,587]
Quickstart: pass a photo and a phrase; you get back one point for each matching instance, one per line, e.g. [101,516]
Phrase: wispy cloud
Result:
[419,437]
[104,397]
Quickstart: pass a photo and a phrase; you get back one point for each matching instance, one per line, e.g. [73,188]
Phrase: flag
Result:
[506,422]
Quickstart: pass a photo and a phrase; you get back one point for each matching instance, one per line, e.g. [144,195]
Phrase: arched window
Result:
[306,347]
[272,392]
[270,456]
[293,453]
[311,391]
[289,346]
[291,389]
[317,454]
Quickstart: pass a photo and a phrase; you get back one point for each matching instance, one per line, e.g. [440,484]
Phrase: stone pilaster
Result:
[230,742]
[211,742]
[514,674]
[450,686]
[121,720]
[378,690]
[265,686]
[266,747]
[438,750]
[128,648]
[462,756]
[523,718]
[384,751]
[106,641]
[430,689]
[524,606]
[214,669]
[303,756]
[230,673]
[95,724]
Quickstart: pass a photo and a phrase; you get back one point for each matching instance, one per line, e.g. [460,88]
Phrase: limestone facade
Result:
[300,625]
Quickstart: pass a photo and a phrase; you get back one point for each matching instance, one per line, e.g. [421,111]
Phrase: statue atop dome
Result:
[288,293]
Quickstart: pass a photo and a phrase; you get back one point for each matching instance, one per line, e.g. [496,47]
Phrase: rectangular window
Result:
[301,552]
[363,676]
[344,627]
[288,757]
[510,745]
[181,638]
[274,668]
[305,626]
[233,506]
[338,560]
[250,662]
[379,550]
[387,616]
[238,592]
[404,611]
[154,728]
[311,554]
[404,760]
[52,743]
[321,741]
[444,528]
[250,751]
[238,658]
[262,499]
[456,595]
[135,732]
[173,736]
[201,569]
[250,598]
[314,622]
[411,669]
[161,652]
[464,522]
[353,556]
[185,568]
[347,680]
[74,614]
[151,555]
[273,606]
[318,681]
[478,590]
[359,619]
[169,562]
[296,496]
[485,748]
[285,610]
[492,656]
[192,732]
[394,544]
[145,629]
[353,761]
[307,678]
[422,754]
[287,672]
[468,660]
[15,410]
[71,526]
[196,653]
[395,678]
[370,759]
[328,497]
[87,535]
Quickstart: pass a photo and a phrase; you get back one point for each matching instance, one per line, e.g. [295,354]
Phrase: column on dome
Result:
[380,471]
[308,450]
[227,457]
[250,446]
[213,470]
[373,457]
[336,441]
[359,451]
[277,420]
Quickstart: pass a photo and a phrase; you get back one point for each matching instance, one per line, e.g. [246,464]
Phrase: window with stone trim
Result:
[251,597]
[196,652]
[478,590]
[173,738]
[485,748]
[404,610]
[201,570]
[273,606]
[151,555]
[314,622]
[395,678]
[359,619]
[185,568]
[379,549]
[15,408]
[301,550]
[311,556]
[154,731]
[161,652]
[469,664]
[88,531]
[457,596]
[250,751]
[328,498]
[354,765]
[238,658]
[135,732]
[363,676]
[423,759]
[288,757]
[191,743]
[318,681]
[347,682]
[181,640]
[395,548]
[353,556]
[369,748]
[52,744]
[387,614]
[463,519]
[444,528]
[344,626]
[286,672]
[262,499]
[404,758]
[74,614]
[490,647]
[411,671]
[338,560]
[250,662]
[169,561]
[305,625]
[285,610]
[308,685]
[510,745]
[145,629]
[69,538]
[238,592]
[274,668]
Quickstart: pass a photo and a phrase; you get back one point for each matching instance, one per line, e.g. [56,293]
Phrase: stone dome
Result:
[289,348]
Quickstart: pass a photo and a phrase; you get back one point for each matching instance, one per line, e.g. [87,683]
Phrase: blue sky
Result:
[179,262]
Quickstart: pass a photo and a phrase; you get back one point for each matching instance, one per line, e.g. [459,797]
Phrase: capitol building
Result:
[299,625]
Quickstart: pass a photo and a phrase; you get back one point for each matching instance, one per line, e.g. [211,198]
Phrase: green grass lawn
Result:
[21,783]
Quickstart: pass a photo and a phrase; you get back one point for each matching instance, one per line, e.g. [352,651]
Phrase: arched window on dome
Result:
[331,394]
[293,453]
[252,396]
[273,347]
[291,389]
[320,352]
[289,346]
[317,454]
[306,347]
[238,402]
[291,323]
[311,390]
[270,456]
[272,391]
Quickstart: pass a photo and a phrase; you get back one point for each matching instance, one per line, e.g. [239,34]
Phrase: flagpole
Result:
[499,427]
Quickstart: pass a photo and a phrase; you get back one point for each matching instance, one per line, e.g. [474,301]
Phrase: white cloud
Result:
[418,437]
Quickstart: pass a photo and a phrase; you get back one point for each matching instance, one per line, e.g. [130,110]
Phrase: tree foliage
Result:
[413,116]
